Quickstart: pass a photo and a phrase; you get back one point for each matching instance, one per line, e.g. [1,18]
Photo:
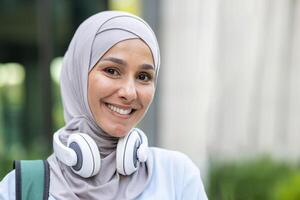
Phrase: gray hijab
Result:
[91,41]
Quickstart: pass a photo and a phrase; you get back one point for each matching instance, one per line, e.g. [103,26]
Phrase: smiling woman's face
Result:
[121,86]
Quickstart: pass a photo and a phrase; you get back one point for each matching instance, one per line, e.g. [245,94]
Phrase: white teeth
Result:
[119,110]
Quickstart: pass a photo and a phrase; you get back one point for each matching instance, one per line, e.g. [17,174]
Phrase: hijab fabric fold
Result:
[94,37]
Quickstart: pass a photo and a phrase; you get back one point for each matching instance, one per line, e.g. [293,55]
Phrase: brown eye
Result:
[111,71]
[144,77]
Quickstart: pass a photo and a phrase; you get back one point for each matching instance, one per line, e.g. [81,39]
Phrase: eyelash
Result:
[111,72]
[149,76]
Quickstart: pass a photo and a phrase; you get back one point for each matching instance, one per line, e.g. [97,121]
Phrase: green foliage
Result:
[288,189]
[20,135]
[6,166]
[57,109]
[261,179]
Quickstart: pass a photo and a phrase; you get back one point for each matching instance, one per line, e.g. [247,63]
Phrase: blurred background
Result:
[228,88]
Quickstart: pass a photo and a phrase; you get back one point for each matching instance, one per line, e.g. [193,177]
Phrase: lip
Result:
[117,114]
[120,106]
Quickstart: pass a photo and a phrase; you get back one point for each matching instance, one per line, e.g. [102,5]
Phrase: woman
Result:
[108,81]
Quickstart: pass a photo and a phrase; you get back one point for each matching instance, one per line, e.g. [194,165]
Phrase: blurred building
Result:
[229,85]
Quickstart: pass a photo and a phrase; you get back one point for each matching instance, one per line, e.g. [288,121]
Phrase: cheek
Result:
[147,96]
[92,95]
[99,86]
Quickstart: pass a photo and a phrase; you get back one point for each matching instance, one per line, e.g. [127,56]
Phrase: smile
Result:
[119,110]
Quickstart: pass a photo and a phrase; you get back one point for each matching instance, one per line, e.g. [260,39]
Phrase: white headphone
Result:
[83,156]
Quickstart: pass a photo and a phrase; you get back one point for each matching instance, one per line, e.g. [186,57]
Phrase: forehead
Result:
[131,49]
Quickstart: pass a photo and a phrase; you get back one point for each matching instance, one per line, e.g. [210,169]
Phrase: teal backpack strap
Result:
[32,179]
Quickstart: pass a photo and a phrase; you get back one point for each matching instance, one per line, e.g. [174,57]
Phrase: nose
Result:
[128,91]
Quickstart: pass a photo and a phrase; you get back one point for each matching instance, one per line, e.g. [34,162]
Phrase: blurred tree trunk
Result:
[45,54]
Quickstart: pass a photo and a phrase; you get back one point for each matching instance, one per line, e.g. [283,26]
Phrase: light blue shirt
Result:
[175,177]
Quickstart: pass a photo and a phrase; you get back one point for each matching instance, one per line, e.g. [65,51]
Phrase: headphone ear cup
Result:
[88,156]
[143,150]
[127,152]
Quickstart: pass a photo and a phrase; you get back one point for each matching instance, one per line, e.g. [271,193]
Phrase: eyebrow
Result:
[115,60]
[123,62]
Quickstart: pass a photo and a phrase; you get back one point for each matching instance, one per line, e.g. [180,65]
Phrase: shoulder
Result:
[7,186]
[180,171]
[174,165]
[160,153]
[173,159]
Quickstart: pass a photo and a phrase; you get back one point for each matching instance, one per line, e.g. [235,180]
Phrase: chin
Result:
[119,131]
